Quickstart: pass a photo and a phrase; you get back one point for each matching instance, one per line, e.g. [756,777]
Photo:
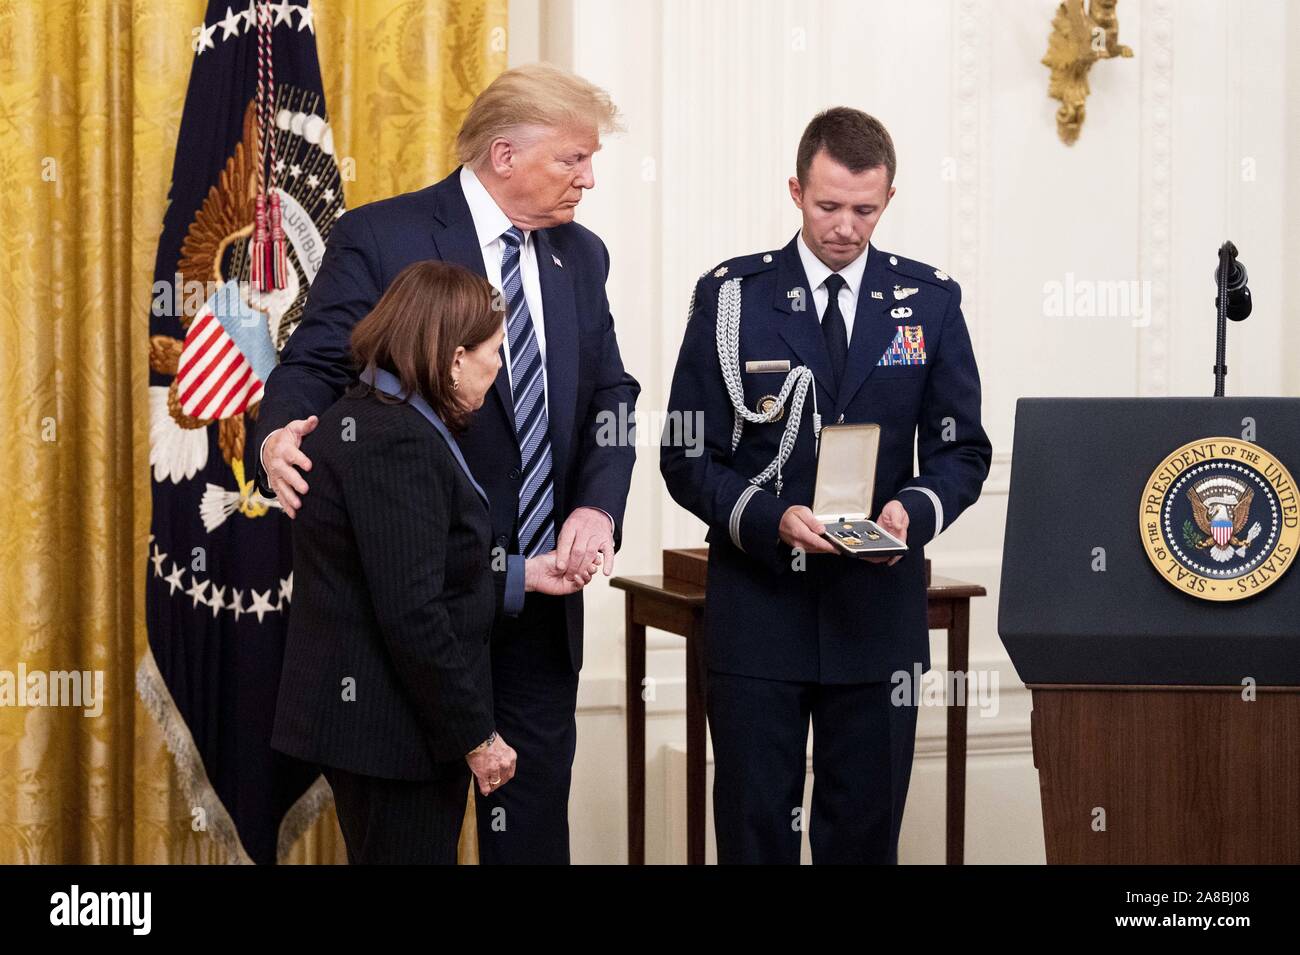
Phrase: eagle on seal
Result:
[1221,507]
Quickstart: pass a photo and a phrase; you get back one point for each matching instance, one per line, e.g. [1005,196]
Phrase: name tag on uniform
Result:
[773,365]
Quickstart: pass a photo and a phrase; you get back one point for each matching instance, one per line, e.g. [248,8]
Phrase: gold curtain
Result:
[91,93]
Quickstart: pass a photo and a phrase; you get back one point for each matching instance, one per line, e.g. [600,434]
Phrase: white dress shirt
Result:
[817,272]
[489,224]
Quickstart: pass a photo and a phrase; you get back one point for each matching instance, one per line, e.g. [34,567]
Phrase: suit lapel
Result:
[802,331]
[453,231]
[457,242]
[560,319]
[873,329]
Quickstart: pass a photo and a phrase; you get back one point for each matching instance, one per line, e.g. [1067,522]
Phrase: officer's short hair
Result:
[850,137]
[533,95]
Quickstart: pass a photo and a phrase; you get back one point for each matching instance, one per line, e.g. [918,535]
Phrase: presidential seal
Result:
[1220,519]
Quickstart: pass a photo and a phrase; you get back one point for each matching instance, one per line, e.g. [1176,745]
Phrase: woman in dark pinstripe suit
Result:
[386,682]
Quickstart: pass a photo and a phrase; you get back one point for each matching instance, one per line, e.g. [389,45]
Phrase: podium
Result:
[1148,603]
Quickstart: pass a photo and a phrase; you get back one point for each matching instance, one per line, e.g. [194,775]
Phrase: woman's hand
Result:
[542,575]
[493,766]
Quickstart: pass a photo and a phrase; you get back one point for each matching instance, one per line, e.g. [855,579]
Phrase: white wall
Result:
[1194,140]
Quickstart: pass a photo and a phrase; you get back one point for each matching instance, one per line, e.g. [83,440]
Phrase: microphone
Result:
[1231,301]
[1236,290]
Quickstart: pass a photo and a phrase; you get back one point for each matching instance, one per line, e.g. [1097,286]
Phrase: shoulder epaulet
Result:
[742,265]
[913,269]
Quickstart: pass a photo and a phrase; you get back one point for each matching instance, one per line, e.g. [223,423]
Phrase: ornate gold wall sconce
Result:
[1078,40]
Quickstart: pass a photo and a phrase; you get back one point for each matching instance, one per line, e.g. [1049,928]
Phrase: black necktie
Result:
[833,327]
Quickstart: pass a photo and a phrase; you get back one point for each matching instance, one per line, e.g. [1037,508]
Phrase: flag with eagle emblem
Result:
[255,190]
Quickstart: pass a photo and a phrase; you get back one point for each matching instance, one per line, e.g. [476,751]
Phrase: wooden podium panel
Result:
[1185,774]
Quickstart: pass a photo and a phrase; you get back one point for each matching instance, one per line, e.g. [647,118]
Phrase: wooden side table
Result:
[674,602]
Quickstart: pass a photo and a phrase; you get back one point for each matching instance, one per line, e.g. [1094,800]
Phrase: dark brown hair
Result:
[850,137]
[413,331]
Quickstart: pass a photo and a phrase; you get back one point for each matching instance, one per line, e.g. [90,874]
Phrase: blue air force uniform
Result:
[785,644]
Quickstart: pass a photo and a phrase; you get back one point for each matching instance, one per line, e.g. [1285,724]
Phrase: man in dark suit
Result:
[795,630]
[507,213]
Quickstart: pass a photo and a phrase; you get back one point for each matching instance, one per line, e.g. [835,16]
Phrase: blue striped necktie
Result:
[527,385]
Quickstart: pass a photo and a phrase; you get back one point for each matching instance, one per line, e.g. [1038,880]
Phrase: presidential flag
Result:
[255,190]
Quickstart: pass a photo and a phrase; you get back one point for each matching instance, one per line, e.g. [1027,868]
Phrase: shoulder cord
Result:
[798,379]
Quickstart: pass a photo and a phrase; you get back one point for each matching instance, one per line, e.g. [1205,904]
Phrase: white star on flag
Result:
[203,38]
[261,604]
[230,25]
[283,12]
[198,591]
[174,578]
[216,602]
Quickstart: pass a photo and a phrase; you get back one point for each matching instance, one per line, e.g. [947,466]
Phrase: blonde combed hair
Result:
[535,95]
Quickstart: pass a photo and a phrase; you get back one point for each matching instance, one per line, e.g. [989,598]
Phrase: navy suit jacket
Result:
[840,619]
[586,382]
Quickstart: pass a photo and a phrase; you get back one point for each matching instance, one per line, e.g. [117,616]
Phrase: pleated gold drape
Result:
[91,93]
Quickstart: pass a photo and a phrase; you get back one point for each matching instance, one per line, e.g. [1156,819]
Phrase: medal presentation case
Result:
[846,477]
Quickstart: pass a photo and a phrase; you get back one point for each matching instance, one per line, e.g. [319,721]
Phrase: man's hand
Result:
[586,533]
[893,518]
[801,529]
[280,457]
[492,767]
[542,575]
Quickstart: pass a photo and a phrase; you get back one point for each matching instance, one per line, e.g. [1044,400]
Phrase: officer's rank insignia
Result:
[766,403]
[907,348]
[902,293]
[720,272]
[941,274]
[1220,519]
